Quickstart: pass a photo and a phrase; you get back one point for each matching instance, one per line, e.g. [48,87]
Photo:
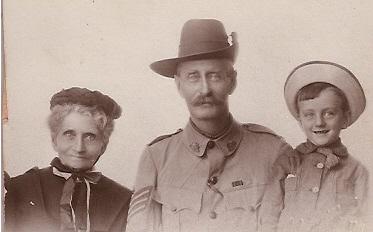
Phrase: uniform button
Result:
[315,189]
[210,144]
[213,180]
[320,165]
[212,214]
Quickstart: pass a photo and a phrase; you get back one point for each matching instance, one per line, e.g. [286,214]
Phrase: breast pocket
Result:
[242,205]
[180,207]
[345,194]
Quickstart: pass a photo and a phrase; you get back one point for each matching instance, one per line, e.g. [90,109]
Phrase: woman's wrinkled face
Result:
[79,142]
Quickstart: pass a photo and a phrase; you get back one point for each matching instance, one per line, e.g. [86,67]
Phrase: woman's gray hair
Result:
[104,123]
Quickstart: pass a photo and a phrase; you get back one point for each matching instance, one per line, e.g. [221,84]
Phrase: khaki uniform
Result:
[316,198]
[188,182]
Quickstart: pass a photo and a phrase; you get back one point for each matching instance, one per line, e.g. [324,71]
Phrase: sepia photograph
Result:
[187,115]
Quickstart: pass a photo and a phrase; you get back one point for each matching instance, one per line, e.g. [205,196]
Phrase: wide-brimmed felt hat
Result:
[86,97]
[200,39]
[327,72]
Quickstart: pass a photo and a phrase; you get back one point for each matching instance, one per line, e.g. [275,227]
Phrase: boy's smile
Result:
[322,118]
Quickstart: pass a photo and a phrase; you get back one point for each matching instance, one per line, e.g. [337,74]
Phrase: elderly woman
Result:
[70,195]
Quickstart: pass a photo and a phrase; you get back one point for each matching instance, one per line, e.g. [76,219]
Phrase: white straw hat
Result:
[327,72]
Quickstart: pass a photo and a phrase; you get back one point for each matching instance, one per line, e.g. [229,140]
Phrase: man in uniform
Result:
[211,175]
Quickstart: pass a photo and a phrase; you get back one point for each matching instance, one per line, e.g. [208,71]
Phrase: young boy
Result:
[320,186]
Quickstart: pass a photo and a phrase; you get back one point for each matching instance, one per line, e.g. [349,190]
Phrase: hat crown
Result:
[86,97]
[202,36]
[200,39]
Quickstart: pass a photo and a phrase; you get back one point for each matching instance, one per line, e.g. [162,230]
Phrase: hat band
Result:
[201,47]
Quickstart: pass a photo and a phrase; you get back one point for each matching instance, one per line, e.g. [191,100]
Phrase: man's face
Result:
[78,141]
[322,118]
[205,85]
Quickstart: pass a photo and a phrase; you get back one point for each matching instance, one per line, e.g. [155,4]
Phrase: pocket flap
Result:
[247,198]
[178,199]
[344,186]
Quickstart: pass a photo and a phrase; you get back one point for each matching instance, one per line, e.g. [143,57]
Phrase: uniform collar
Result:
[227,143]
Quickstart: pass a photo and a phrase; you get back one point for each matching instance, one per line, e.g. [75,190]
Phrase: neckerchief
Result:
[333,152]
[78,218]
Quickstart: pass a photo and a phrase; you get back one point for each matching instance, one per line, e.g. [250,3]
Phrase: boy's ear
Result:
[347,119]
[299,121]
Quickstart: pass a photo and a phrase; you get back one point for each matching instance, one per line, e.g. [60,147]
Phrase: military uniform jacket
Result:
[316,198]
[174,190]
[32,203]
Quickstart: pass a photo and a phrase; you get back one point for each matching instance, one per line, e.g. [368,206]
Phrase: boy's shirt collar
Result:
[337,148]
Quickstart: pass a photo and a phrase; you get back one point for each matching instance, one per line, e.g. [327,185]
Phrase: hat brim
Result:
[323,71]
[168,67]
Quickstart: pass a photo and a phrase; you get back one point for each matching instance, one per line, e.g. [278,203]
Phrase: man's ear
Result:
[177,83]
[234,82]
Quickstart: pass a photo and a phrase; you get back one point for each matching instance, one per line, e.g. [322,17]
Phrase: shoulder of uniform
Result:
[162,137]
[256,128]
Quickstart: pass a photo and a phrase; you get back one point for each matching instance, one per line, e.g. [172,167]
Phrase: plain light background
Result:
[108,46]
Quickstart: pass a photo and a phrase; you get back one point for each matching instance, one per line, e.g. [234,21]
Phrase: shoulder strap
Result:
[162,137]
[258,129]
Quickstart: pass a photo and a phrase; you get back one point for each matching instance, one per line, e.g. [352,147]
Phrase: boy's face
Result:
[322,118]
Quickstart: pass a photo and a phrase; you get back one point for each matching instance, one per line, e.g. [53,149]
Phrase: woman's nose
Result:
[79,145]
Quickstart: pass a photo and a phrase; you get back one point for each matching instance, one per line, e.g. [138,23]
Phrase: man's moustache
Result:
[201,101]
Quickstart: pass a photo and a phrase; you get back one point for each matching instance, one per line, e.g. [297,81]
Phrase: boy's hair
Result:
[313,90]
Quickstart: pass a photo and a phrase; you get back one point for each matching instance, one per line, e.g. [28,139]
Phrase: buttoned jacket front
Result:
[317,198]
[171,191]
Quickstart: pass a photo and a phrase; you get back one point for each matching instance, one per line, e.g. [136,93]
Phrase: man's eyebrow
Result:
[214,71]
[191,71]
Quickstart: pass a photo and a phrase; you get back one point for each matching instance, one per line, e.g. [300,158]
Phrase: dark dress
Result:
[32,203]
